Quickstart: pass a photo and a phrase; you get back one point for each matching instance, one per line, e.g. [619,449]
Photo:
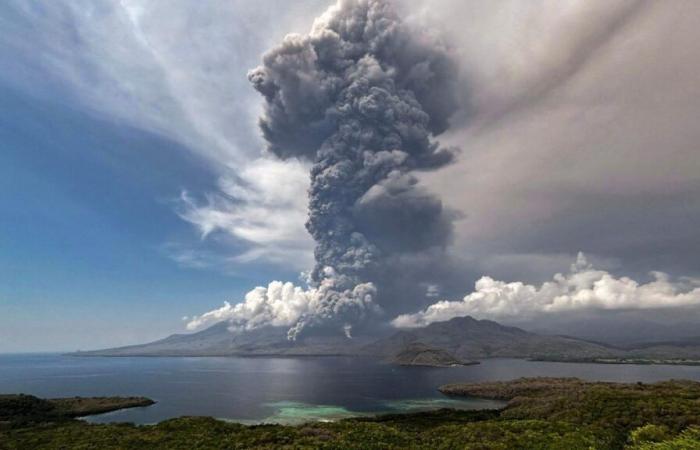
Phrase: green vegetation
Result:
[612,411]
[21,410]
[542,413]
[687,440]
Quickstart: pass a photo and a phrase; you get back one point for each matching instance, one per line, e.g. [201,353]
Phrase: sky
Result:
[138,192]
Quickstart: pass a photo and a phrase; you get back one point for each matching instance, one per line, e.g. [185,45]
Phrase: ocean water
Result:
[283,390]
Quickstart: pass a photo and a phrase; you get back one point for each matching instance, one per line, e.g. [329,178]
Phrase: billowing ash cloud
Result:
[582,288]
[283,304]
[361,97]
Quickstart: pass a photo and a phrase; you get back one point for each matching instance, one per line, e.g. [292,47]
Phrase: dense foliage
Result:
[687,440]
[23,410]
[541,414]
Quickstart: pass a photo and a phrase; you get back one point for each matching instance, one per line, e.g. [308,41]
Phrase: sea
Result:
[254,390]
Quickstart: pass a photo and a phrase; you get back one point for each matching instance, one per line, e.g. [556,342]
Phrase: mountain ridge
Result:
[465,338]
[468,339]
[440,343]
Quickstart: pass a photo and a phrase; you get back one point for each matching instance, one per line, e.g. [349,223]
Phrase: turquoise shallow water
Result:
[282,390]
[294,413]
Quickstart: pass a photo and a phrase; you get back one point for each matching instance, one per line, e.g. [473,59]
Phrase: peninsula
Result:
[561,413]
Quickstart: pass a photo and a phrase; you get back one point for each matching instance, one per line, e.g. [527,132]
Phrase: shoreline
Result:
[608,361]
[624,361]
[540,412]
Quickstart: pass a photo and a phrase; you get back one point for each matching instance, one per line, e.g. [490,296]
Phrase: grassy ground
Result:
[541,414]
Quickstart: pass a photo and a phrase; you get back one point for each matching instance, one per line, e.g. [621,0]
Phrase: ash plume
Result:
[362,97]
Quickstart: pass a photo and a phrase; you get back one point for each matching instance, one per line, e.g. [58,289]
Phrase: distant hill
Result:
[417,354]
[440,343]
[468,338]
[217,340]
[618,329]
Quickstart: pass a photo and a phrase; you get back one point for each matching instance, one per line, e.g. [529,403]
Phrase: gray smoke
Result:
[361,96]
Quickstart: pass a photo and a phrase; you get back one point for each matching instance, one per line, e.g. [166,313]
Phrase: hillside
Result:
[467,339]
[417,354]
[462,338]
[217,340]
[458,339]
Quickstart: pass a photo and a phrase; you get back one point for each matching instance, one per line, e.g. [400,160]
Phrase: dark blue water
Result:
[281,389]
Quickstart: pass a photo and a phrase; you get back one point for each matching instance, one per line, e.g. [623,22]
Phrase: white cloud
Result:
[278,304]
[284,304]
[263,206]
[432,291]
[583,288]
[178,69]
[173,67]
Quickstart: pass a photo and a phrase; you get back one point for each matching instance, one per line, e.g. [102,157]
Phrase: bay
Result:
[283,390]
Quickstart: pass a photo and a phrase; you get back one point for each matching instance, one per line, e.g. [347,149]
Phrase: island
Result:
[419,354]
[557,413]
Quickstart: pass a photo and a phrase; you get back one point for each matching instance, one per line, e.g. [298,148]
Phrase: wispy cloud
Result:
[515,54]
[178,69]
[172,67]
[581,129]
[264,207]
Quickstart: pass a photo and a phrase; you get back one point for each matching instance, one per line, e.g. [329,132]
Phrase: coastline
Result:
[609,361]
[624,361]
[540,413]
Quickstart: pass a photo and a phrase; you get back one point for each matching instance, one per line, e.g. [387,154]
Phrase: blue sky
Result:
[134,189]
[96,151]
[86,218]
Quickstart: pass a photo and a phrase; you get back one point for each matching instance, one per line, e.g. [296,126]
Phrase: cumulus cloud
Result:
[284,304]
[582,288]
